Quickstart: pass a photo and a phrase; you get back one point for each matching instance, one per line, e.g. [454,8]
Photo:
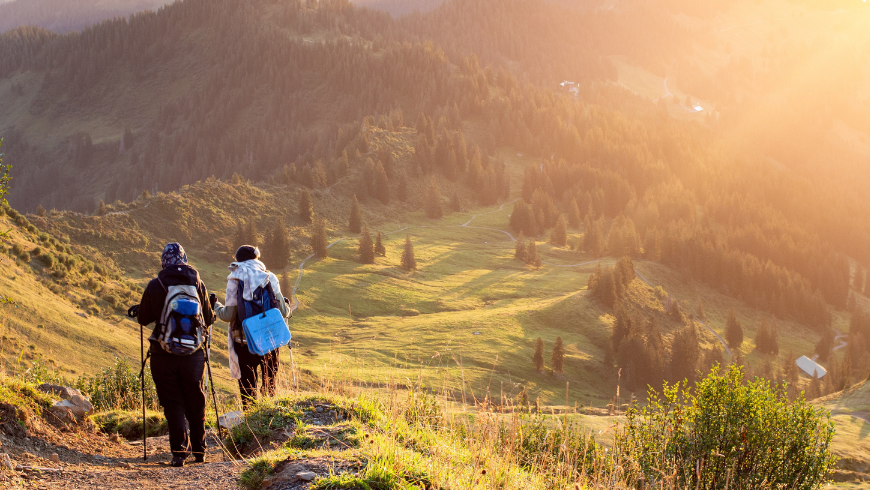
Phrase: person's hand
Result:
[212,299]
[133,311]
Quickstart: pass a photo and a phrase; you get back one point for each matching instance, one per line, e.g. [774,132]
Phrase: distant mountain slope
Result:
[399,7]
[67,15]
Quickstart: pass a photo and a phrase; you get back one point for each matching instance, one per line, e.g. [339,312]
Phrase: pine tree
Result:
[574,214]
[101,208]
[319,242]
[532,256]
[762,337]
[557,359]
[379,246]
[278,247]
[538,357]
[733,331]
[366,247]
[520,250]
[559,236]
[40,211]
[699,311]
[685,353]
[306,206]
[355,221]
[455,203]
[815,388]
[402,186]
[382,184]
[409,263]
[286,285]
[433,201]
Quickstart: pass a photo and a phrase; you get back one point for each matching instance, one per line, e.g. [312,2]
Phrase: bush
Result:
[727,433]
[46,259]
[118,388]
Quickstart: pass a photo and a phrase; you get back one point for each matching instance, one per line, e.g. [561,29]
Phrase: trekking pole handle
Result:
[133,311]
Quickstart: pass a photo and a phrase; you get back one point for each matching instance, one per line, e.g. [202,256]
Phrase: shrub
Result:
[25,257]
[727,433]
[117,387]
[46,259]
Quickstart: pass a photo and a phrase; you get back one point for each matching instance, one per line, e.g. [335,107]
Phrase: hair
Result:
[247,252]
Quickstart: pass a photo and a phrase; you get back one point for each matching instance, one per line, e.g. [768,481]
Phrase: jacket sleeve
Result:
[151,304]
[225,313]
[207,311]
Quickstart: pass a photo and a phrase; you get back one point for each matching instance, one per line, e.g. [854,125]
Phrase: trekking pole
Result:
[133,312]
[217,416]
[293,367]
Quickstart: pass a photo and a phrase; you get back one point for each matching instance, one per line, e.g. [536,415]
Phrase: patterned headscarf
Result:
[173,254]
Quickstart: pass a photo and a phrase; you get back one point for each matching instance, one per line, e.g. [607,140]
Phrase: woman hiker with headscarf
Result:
[245,366]
[178,378]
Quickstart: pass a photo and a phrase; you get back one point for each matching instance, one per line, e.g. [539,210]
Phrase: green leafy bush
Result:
[728,434]
[117,387]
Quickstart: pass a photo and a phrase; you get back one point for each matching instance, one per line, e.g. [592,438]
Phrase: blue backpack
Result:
[262,322]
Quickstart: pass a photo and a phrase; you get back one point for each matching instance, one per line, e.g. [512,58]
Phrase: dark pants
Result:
[253,365]
[180,390]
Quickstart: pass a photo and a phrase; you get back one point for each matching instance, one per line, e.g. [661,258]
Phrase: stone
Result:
[80,406]
[6,462]
[306,475]
[232,419]
[83,403]
[64,392]
[54,458]
[60,416]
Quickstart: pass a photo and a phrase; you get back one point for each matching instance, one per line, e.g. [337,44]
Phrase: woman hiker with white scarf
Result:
[244,365]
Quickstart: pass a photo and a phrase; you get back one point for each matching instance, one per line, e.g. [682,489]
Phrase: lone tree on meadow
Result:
[366,247]
[533,258]
[558,356]
[433,201]
[379,246]
[559,236]
[409,263]
[355,221]
[319,243]
[278,247]
[306,206]
[538,357]
[733,331]
[520,250]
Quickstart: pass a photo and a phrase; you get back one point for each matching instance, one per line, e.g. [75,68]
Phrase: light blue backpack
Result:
[264,326]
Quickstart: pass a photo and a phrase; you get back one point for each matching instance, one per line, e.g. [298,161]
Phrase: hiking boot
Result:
[198,457]
[177,462]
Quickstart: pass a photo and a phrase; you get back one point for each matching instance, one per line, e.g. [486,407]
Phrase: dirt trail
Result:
[89,459]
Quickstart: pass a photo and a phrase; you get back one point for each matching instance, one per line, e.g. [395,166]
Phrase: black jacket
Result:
[154,296]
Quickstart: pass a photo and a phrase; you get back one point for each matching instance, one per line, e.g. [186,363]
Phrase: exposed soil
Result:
[88,459]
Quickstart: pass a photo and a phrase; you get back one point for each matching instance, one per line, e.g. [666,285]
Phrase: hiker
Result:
[247,285]
[177,302]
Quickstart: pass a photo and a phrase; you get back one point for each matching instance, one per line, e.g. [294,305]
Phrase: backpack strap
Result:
[162,285]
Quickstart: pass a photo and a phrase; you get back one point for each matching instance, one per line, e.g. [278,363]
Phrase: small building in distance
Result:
[811,367]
